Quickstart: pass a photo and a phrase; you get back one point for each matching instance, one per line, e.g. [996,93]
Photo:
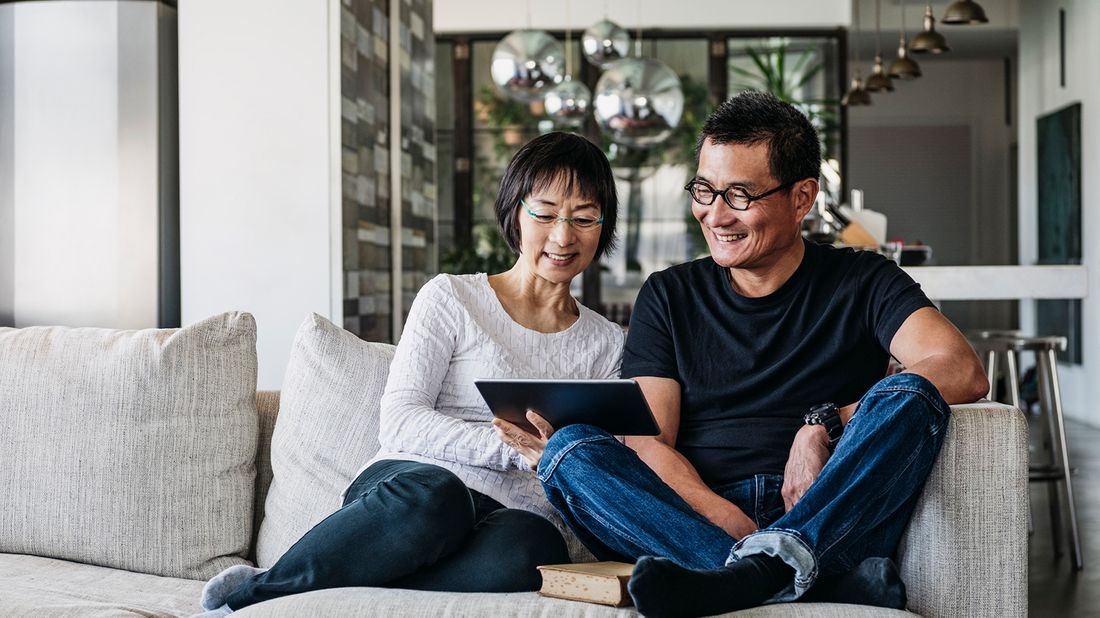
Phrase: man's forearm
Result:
[678,473]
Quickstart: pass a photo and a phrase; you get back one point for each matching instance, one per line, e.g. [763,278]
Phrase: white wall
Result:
[504,15]
[259,166]
[965,93]
[1041,93]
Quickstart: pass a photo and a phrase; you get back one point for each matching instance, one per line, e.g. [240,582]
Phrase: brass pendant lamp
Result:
[965,12]
[878,80]
[929,41]
[904,67]
[856,95]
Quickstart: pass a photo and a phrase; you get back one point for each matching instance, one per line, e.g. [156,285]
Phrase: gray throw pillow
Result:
[130,449]
[326,430]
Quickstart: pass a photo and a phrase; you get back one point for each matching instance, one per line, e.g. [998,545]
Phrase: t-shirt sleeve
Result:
[892,296]
[650,350]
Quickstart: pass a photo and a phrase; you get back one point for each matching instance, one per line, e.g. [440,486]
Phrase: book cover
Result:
[592,582]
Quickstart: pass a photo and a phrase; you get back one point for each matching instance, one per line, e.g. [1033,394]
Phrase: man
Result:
[764,365]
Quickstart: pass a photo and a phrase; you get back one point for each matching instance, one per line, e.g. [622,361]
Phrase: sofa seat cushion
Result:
[392,603]
[48,588]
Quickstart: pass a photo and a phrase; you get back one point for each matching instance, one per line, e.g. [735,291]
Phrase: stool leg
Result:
[1046,410]
[1013,381]
[991,371]
[1060,436]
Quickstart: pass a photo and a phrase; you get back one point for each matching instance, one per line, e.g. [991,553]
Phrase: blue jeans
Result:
[857,508]
[413,525]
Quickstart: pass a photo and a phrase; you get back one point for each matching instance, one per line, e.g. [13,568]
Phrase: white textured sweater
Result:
[457,331]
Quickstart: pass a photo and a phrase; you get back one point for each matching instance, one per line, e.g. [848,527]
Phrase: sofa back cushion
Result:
[327,428]
[130,449]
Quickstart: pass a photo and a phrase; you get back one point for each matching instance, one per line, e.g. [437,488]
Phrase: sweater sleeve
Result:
[409,422]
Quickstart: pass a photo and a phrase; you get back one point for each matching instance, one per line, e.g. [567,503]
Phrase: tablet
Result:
[616,406]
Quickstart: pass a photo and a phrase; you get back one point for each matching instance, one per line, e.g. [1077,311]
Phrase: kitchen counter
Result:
[1000,282]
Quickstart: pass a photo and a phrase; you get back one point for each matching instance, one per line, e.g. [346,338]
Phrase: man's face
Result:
[757,237]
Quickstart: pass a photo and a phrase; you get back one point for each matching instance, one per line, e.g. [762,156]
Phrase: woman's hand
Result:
[527,444]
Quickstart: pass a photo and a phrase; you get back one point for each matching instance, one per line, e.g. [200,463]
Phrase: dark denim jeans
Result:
[413,525]
[856,509]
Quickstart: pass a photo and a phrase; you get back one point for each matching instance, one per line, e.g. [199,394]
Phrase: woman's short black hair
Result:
[566,158]
[794,150]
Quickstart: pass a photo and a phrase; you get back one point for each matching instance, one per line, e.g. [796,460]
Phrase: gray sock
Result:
[223,584]
[219,612]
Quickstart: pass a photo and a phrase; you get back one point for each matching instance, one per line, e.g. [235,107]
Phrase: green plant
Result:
[785,73]
[488,253]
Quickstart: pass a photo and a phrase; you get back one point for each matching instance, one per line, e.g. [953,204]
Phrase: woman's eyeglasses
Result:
[549,218]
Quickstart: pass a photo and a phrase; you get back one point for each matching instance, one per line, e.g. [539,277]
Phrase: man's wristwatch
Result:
[828,416]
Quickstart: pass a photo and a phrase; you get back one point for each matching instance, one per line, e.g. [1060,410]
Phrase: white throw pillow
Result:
[130,449]
[326,430]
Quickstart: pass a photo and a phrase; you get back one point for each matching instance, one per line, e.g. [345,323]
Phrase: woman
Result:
[446,505]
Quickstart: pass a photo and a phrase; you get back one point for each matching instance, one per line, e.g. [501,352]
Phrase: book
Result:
[592,582]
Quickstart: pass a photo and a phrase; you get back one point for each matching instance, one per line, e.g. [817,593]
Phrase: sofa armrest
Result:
[267,407]
[965,550]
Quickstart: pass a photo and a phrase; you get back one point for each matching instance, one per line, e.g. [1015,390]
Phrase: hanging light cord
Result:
[568,41]
[528,14]
[878,26]
[855,29]
[901,7]
[638,32]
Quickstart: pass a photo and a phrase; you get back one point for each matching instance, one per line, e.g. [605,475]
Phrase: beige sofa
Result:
[135,464]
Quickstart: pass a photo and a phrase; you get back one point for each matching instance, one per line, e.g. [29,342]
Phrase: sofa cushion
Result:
[394,603]
[326,430]
[48,588]
[130,449]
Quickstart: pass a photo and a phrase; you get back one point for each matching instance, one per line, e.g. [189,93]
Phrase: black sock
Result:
[875,581]
[661,588]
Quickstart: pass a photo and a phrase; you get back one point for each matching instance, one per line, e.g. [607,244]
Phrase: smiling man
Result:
[786,457]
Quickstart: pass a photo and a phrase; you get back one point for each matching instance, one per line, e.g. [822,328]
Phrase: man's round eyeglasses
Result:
[548,218]
[735,197]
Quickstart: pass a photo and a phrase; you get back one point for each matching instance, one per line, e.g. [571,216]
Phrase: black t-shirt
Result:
[750,368]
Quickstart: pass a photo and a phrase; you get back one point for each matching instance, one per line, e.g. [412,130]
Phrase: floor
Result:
[1055,588]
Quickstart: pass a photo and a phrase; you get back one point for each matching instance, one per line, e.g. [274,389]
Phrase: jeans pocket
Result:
[769,499]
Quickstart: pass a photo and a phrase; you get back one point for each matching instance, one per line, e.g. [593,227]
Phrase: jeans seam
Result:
[606,524]
[881,493]
[918,391]
[758,503]
[556,459]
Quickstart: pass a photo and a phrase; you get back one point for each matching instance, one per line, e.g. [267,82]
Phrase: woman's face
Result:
[553,249]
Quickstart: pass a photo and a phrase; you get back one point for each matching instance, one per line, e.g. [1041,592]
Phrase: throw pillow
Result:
[130,449]
[326,430]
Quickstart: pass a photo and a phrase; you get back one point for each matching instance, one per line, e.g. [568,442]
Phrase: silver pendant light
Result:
[878,80]
[567,102]
[856,95]
[929,41]
[903,67]
[965,12]
[638,101]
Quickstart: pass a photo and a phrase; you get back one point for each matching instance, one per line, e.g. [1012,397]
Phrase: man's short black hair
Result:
[578,164]
[794,151]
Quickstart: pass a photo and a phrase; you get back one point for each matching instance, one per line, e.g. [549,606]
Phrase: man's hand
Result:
[808,455]
[527,444]
[736,523]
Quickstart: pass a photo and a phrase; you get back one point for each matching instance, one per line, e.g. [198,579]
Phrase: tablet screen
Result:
[616,406]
